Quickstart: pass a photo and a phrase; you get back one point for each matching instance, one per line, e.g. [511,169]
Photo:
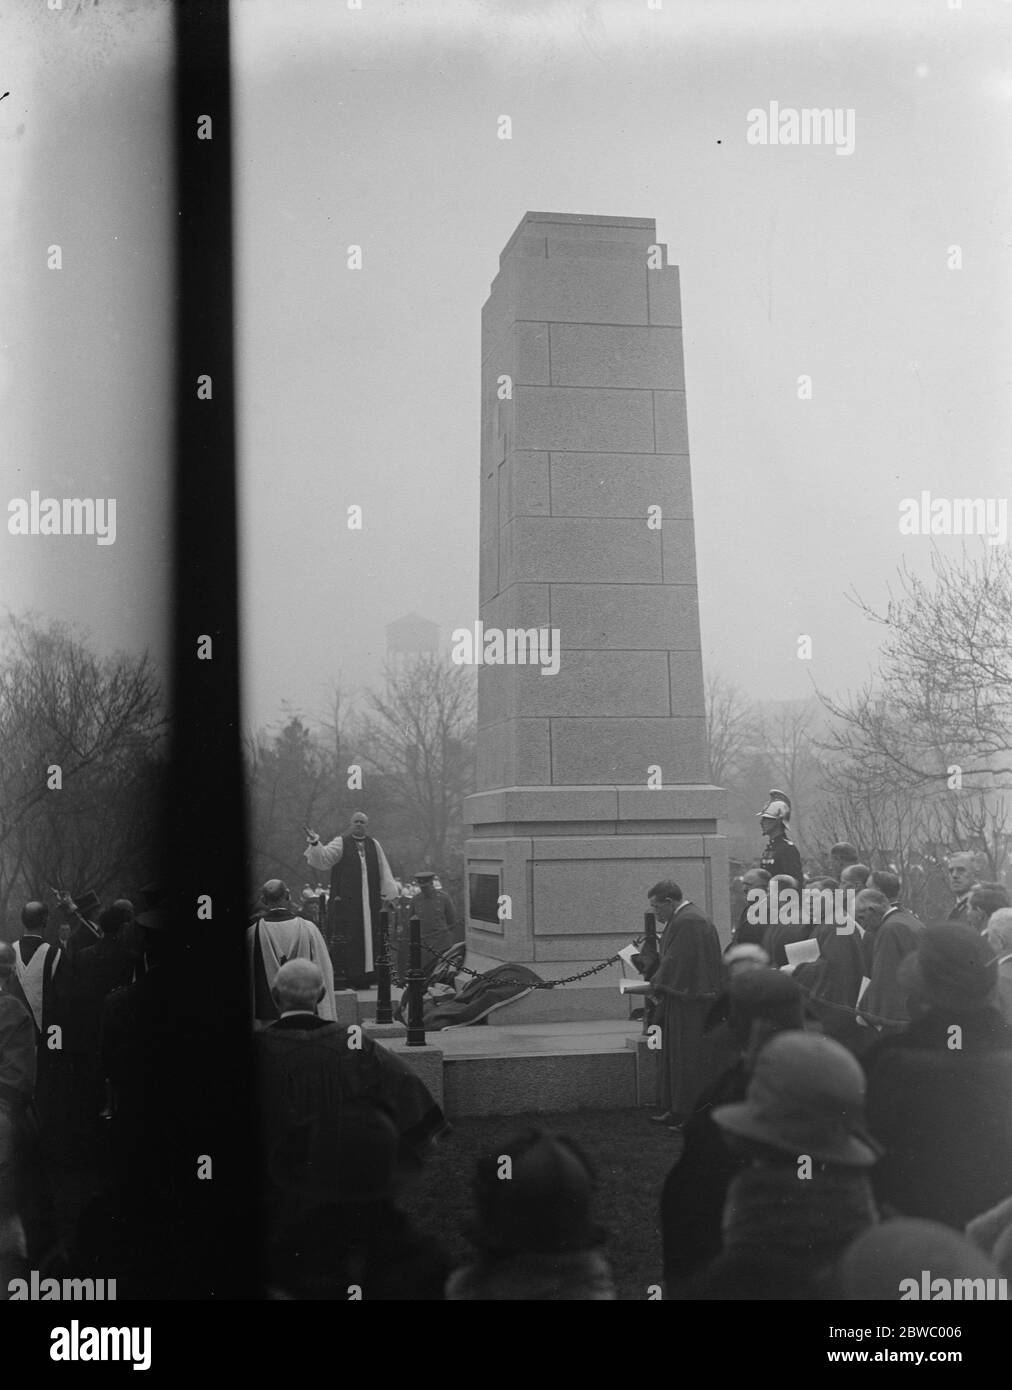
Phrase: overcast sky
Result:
[378,127]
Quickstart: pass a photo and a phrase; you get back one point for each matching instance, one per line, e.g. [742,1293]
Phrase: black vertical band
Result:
[206,799]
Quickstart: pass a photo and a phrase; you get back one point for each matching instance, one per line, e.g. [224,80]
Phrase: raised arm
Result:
[321,856]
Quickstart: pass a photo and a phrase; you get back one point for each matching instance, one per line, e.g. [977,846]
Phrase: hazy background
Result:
[378,127]
[86,354]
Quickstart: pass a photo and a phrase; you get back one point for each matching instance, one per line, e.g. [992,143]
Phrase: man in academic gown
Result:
[686,982]
[279,935]
[895,933]
[360,879]
[41,981]
[17,1087]
[309,1069]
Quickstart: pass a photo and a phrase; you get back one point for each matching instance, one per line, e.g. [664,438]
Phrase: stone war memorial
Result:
[593,776]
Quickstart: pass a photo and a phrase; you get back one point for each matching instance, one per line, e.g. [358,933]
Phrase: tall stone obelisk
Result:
[593,782]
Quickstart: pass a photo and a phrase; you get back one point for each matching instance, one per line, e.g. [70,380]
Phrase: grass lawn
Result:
[630,1155]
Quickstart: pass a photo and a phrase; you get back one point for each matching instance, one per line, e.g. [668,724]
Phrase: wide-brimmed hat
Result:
[805,1097]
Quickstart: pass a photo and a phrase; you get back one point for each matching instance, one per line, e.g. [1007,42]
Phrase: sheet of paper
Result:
[799,952]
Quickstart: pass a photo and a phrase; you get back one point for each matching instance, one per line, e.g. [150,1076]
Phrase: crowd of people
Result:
[842,1110]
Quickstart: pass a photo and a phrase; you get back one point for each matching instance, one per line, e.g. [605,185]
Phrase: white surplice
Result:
[321,856]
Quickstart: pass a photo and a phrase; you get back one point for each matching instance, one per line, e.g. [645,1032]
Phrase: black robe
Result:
[345,926]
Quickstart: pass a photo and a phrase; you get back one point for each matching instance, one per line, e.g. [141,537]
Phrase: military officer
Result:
[781,855]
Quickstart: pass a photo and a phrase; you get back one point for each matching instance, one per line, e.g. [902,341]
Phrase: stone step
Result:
[493,1070]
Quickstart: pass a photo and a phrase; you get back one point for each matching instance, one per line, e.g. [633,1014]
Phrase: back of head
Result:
[298,986]
[34,917]
[113,919]
[886,882]
[989,897]
[274,893]
[882,1260]
[955,967]
[871,897]
[755,878]
[764,996]
[534,1195]
[855,876]
[999,931]
[745,955]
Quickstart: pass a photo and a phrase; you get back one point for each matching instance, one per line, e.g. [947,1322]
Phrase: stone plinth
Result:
[593,780]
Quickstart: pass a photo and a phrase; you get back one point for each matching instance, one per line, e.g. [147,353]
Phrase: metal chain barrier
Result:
[873,1020]
[542,984]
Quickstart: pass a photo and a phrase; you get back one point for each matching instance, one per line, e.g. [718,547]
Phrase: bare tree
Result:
[292,781]
[943,698]
[81,758]
[787,738]
[419,736]
[730,726]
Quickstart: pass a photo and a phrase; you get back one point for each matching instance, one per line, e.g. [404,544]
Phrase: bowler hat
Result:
[805,1096]
[535,1195]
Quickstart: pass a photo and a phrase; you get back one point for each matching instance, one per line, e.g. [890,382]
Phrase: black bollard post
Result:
[416,1028]
[383,1010]
[650,951]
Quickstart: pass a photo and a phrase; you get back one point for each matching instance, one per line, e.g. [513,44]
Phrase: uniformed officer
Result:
[781,855]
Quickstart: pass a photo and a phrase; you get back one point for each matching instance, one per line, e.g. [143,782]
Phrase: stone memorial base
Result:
[576,864]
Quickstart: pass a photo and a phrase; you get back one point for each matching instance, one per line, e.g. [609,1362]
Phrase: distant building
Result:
[411,636]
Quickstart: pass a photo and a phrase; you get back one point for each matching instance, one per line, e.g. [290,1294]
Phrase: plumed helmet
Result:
[777,808]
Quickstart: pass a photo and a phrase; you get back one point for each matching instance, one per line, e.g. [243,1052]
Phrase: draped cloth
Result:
[360,878]
[686,981]
[279,937]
